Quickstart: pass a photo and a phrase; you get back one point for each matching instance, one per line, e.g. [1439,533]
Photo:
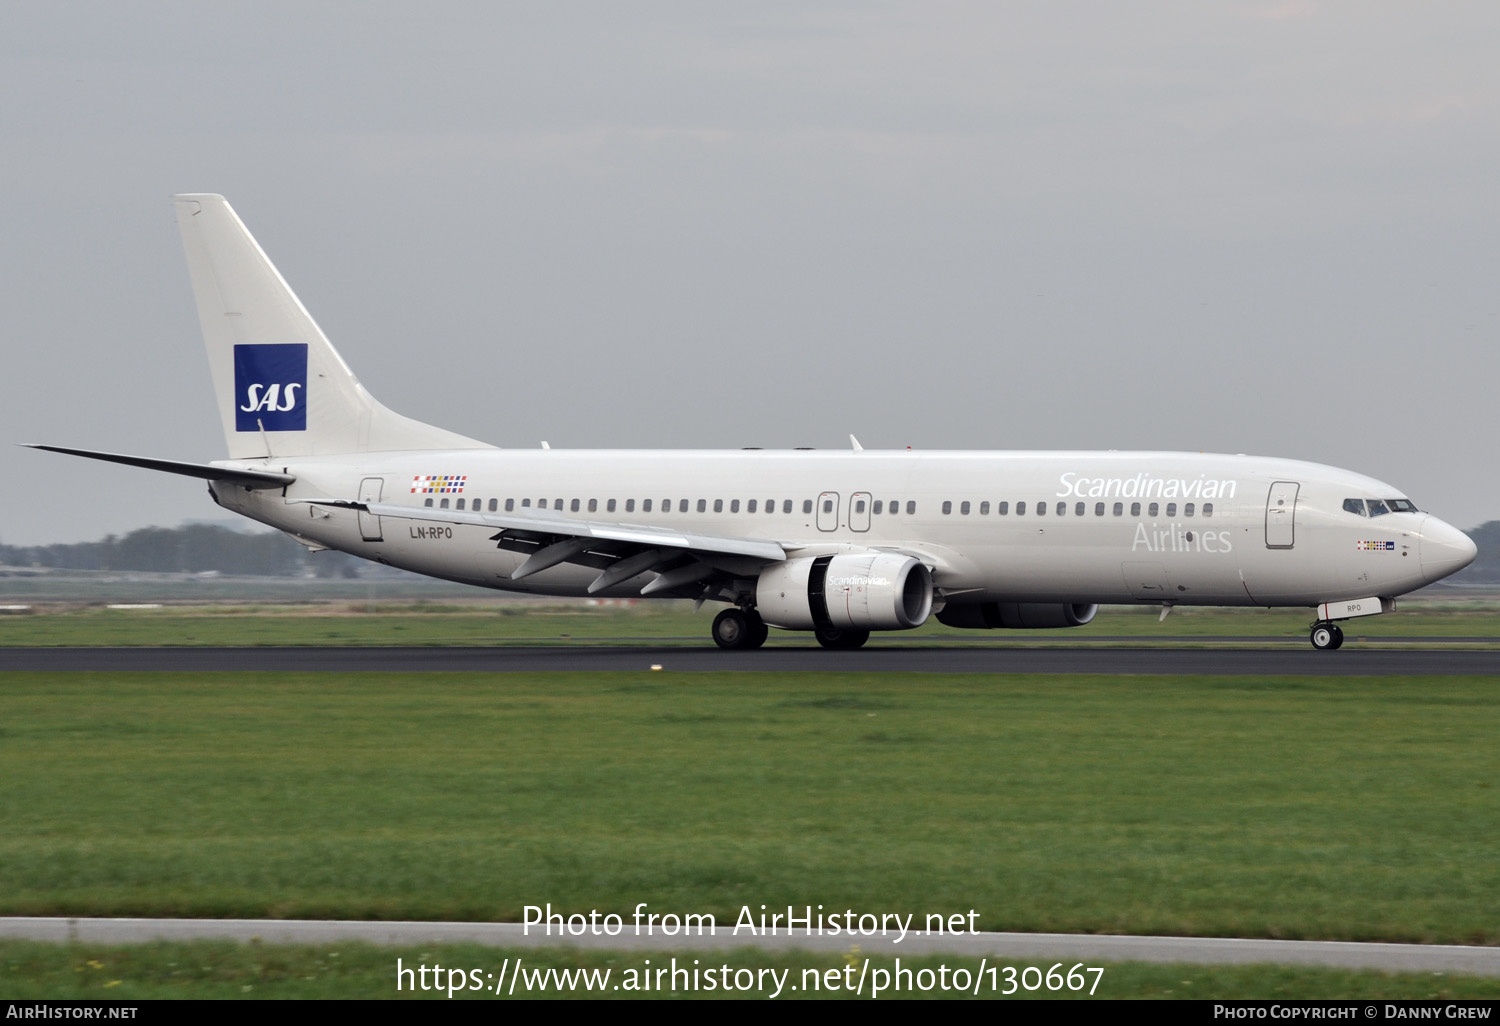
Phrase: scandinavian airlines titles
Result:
[1146,486]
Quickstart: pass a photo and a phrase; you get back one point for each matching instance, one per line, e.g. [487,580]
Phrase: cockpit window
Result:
[1378,507]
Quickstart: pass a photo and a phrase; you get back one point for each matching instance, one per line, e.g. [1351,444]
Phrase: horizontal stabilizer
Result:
[207,471]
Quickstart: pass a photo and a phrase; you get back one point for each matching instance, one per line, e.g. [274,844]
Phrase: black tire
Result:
[732,629]
[1338,636]
[1325,637]
[831,637]
[759,632]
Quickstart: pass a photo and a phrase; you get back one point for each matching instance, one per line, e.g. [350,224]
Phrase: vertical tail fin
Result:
[282,388]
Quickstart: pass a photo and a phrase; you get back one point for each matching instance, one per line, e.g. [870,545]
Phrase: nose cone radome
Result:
[1444,549]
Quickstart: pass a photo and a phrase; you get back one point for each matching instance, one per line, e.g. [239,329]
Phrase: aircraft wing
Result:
[620,551]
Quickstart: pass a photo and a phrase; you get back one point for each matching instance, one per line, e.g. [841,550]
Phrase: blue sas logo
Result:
[270,387]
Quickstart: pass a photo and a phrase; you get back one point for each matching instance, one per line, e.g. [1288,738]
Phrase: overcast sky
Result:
[1267,227]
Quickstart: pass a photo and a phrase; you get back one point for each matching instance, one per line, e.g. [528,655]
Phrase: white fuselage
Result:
[1106,527]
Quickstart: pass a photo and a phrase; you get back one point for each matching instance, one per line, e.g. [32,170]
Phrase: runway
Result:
[1034,948]
[1220,661]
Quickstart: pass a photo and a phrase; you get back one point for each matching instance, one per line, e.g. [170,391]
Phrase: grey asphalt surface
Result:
[1031,948]
[1255,661]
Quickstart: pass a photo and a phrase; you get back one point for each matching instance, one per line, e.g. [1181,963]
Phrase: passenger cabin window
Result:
[750,506]
[1119,509]
[594,505]
[444,504]
[878,507]
[806,505]
[525,503]
[1151,509]
[1187,510]
[574,506]
[786,506]
[1135,509]
[510,505]
[1078,510]
[827,505]
[1208,509]
[734,505]
[493,505]
[630,505]
[1041,509]
[911,507]
[682,505]
[610,506]
[1020,509]
[703,505]
[984,509]
[460,504]
[645,505]
[947,507]
[1098,509]
[859,507]
[1062,509]
[1171,509]
[427,502]
[1003,508]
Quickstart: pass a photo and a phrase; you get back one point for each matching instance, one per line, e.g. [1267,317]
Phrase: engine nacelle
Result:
[1017,615]
[865,591]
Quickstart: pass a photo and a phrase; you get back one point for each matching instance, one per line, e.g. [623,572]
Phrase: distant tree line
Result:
[192,548]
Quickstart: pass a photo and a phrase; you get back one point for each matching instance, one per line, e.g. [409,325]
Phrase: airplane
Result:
[836,543]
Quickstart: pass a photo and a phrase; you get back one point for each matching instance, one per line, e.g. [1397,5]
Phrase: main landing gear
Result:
[739,628]
[1326,636]
[743,628]
[833,637]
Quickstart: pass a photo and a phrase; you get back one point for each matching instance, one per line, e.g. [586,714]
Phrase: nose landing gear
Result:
[1326,636]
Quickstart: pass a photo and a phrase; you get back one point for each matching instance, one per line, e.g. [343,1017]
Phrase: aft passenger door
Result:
[1281,513]
[369,524]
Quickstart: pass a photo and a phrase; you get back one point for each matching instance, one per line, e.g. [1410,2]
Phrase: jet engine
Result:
[1017,615]
[863,591]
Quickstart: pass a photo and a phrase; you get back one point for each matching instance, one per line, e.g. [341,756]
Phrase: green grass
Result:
[1359,809]
[659,623]
[355,971]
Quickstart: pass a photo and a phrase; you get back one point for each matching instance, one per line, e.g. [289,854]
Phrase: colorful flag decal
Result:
[445,484]
[1375,546]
